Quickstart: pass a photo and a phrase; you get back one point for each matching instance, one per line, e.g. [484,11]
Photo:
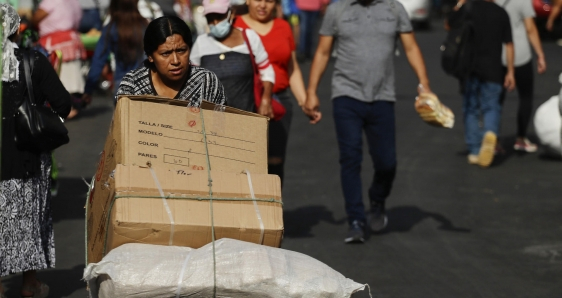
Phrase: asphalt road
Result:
[455,230]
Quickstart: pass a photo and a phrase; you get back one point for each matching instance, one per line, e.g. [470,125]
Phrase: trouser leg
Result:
[381,138]
[472,132]
[525,87]
[349,125]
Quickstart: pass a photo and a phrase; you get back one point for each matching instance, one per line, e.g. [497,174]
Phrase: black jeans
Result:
[376,119]
[279,135]
[524,80]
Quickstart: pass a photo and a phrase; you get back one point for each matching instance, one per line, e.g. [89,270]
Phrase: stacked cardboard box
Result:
[161,148]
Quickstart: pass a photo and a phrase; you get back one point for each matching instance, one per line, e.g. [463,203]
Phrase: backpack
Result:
[457,53]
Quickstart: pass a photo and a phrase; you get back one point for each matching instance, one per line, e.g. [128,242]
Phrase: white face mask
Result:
[221,29]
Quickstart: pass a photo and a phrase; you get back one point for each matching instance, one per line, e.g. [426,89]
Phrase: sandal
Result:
[40,291]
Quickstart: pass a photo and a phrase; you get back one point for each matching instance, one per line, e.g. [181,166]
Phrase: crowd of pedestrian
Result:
[246,55]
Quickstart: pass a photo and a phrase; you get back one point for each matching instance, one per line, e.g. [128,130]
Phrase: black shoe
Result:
[377,218]
[356,232]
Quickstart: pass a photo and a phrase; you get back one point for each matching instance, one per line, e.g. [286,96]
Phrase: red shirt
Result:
[279,45]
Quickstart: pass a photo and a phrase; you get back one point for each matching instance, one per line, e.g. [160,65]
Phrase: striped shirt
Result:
[201,85]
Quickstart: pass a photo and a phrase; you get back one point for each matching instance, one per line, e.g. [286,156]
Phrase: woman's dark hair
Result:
[128,21]
[163,27]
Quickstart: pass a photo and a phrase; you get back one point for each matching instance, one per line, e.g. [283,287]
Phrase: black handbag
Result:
[37,127]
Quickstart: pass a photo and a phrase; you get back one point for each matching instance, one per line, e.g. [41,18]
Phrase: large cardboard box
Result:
[128,208]
[166,133]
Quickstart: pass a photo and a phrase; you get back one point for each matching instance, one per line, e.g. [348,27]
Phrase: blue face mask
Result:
[221,29]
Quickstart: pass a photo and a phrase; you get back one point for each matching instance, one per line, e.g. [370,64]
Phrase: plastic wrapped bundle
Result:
[432,111]
[548,122]
[243,269]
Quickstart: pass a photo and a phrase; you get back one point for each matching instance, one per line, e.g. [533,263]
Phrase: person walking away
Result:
[487,78]
[278,40]
[167,71]
[26,225]
[524,34]
[92,14]
[224,52]
[363,96]
[309,11]
[122,36]
[58,22]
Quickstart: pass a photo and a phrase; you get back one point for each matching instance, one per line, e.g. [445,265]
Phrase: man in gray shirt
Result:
[363,97]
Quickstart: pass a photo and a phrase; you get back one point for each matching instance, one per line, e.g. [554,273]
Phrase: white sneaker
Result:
[525,145]
[487,149]
[472,159]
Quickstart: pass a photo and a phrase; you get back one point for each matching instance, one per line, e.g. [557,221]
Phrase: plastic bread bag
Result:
[432,111]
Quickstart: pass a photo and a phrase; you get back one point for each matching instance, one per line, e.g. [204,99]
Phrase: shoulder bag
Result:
[278,108]
[37,128]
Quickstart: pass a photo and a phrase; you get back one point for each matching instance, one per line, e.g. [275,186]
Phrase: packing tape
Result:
[165,205]
[183,267]
[256,207]
[210,179]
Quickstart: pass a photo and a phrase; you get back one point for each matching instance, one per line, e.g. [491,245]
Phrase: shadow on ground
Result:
[299,222]
[62,282]
[69,203]
[404,218]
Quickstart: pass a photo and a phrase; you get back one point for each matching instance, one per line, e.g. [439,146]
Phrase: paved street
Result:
[455,230]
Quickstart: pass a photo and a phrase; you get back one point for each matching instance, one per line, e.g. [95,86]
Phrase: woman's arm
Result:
[50,85]
[38,16]
[296,81]
[213,90]
[535,40]
[126,87]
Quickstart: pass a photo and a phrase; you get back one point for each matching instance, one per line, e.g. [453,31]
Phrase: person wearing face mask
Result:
[224,51]
[278,40]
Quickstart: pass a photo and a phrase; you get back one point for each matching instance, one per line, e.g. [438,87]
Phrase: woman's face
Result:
[261,10]
[171,59]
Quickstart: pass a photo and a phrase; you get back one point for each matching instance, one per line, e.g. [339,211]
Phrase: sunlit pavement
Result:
[455,230]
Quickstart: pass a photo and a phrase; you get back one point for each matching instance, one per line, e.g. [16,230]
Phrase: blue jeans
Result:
[352,117]
[90,19]
[481,104]
[307,23]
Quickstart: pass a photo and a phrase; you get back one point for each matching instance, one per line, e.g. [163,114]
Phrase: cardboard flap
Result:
[206,105]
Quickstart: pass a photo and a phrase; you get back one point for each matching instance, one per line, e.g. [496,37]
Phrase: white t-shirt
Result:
[205,44]
[518,11]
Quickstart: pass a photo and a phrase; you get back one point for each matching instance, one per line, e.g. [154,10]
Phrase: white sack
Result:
[243,270]
[548,125]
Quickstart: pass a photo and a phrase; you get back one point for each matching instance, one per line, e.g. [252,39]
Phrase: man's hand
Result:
[509,81]
[424,88]
[312,108]
[541,65]
[265,108]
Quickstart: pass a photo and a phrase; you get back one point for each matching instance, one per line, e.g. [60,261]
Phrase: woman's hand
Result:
[265,108]
[312,108]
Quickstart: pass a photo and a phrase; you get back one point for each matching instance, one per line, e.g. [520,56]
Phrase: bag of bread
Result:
[432,111]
